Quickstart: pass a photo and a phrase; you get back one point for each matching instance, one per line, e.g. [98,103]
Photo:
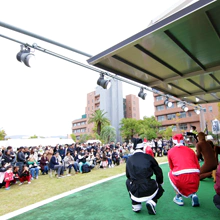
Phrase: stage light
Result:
[167,102]
[25,56]
[184,108]
[141,94]
[197,110]
[105,84]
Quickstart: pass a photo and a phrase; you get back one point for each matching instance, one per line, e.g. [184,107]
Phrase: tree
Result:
[149,128]
[129,127]
[34,136]
[98,117]
[167,134]
[84,137]
[73,136]
[108,134]
[2,134]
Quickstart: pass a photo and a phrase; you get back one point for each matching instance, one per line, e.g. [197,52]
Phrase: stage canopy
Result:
[178,55]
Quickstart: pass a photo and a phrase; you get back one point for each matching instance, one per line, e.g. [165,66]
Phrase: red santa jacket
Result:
[182,160]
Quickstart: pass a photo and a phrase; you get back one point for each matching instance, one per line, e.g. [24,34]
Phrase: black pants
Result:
[156,197]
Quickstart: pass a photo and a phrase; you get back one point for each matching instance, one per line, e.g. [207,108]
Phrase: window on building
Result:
[77,137]
[160,107]
[174,128]
[183,127]
[133,108]
[92,100]
[159,97]
[210,108]
[134,115]
[134,102]
[92,107]
[88,101]
[78,123]
[82,130]
[161,118]
[204,110]
[88,129]
[74,124]
[162,128]
[189,114]
[182,115]
[171,116]
[88,108]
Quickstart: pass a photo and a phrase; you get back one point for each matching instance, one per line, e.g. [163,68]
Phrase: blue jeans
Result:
[80,166]
[45,170]
[34,172]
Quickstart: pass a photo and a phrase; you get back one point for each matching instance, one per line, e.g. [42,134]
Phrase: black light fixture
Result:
[25,56]
[141,94]
[167,102]
[184,107]
[197,110]
[105,84]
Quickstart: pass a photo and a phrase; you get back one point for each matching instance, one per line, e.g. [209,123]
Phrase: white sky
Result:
[44,99]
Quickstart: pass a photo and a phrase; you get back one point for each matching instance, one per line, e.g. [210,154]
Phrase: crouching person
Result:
[139,169]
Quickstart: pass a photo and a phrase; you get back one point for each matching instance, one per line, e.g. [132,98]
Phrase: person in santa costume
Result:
[147,148]
[140,168]
[184,171]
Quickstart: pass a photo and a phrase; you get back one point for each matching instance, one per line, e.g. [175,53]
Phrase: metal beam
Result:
[8,26]
[183,48]
[139,47]
[185,76]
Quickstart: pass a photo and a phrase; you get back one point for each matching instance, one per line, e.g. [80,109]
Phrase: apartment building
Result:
[111,101]
[132,107]
[180,120]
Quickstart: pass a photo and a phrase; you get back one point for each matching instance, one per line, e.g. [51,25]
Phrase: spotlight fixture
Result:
[105,84]
[168,103]
[141,94]
[25,56]
[197,110]
[184,108]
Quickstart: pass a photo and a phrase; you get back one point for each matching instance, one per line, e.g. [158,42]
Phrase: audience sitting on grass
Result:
[44,162]
[33,166]
[24,175]
[55,164]
[82,159]
[70,163]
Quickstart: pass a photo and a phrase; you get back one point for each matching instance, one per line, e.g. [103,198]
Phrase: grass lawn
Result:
[45,187]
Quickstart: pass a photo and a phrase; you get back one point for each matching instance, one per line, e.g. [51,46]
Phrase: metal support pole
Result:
[8,26]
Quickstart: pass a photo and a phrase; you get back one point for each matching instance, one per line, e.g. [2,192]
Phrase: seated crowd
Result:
[25,164]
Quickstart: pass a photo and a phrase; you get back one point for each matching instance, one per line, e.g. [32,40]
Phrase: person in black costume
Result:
[140,168]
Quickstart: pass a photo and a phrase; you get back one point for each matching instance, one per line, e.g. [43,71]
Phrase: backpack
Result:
[86,168]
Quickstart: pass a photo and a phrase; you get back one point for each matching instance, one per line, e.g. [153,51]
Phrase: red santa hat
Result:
[145,140]
[178,139]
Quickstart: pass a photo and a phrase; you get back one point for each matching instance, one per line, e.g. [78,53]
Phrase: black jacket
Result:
[139,169]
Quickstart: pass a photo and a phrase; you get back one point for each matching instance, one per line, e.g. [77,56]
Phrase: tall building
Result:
[132,107]
[180,120]
[111,101]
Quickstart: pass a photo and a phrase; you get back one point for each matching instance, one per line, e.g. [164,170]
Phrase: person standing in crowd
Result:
[205,149]
[184,171]
[141,187]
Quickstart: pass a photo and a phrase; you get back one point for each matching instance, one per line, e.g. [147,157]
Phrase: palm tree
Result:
[108,134]
[98,117]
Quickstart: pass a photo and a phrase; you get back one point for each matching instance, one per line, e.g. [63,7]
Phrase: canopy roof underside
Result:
[179,55]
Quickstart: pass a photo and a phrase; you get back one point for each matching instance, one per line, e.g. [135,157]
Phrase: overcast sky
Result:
[44,99]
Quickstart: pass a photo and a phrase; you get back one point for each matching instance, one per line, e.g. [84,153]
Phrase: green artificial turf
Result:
[110,200]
